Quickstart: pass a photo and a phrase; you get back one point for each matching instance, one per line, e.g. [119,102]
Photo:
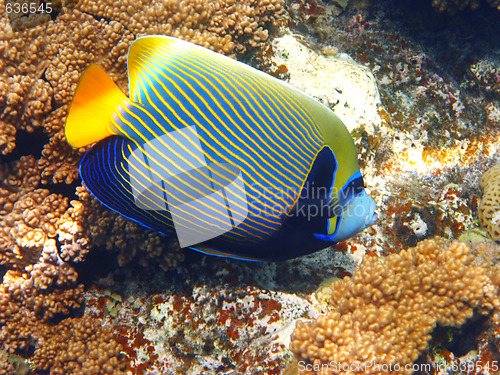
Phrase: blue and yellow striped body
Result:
[190,109]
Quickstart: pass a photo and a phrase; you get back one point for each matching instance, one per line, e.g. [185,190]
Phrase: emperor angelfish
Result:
[226,158]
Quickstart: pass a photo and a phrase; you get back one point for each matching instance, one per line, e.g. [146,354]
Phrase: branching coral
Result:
[24,14]
[489,207]
[386,312]
[42,233]
[223,25]
[40,68]
[29,302]
[106,228]
[72,346]
[39,287]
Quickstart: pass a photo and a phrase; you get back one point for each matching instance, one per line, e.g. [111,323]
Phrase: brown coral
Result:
[488,210]
[223,25]
[106,228]
[386,312]
[72,346]
[41,232]
[40,68]
[29,230]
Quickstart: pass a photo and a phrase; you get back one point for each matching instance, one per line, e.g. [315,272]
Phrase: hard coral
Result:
[222,25]
[107,228]
[42,232]
[40,68]
[489,207]
[386,312]
[29,302]
[486,76]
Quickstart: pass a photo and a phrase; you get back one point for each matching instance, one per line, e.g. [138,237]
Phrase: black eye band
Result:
[355,187]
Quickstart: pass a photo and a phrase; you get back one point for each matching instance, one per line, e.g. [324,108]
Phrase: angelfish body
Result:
[227,158]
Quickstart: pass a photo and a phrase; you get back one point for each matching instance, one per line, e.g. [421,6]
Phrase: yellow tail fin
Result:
[96,99]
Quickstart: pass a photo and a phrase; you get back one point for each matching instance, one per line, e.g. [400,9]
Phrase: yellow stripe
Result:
[310,164]
[125,187]
[244,108]
[213,126]
[281,89]
[160,188]
[225,73]
[152,104]
[278,89]
[236,125]
[295,105]
[218,174]
[220,253]
[160,176]
[209,207]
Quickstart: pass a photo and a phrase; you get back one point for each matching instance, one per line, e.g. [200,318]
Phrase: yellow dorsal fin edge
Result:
[90,116]
[144,49]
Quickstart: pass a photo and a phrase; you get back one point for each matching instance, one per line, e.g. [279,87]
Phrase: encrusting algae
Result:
[385,313]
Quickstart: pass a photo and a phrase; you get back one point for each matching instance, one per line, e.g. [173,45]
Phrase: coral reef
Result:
[224,25]
[37,236]
[25,14]
[446,351]
[334,78]
[44,228]
[232,317]
[428,134]
[488,211]
[30,304]
[439,122]
[486,76]
[435,131]
[384,314]
[40,68]
[109,229]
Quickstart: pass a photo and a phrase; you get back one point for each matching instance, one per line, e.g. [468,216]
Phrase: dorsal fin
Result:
[142,51]
[151,56]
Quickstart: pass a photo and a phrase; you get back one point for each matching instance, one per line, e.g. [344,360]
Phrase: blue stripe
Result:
[256,158]
[102,169]
[258,97]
